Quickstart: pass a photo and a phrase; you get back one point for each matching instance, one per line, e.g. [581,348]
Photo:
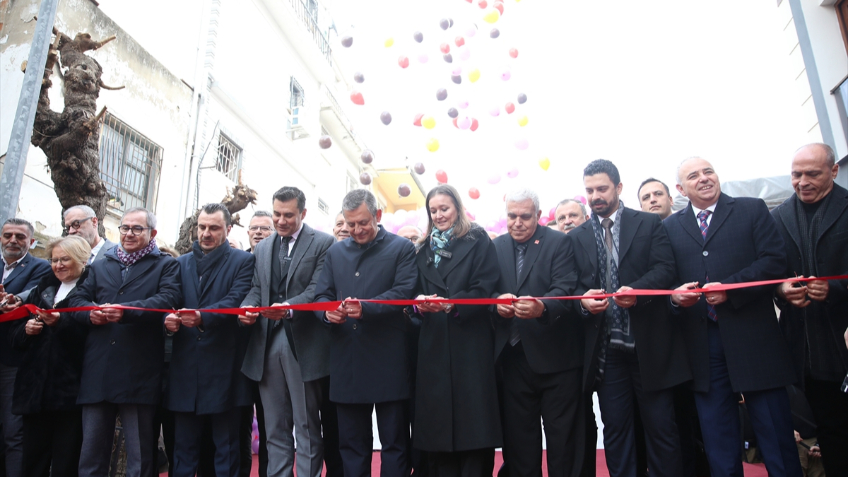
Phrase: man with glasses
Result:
[122,361]
[261,226]
[81,220]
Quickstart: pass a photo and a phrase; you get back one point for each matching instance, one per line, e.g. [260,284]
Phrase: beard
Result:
[603,208]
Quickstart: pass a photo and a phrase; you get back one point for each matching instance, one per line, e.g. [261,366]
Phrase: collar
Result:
[535,237]
[381,234]
[698,211]
[96,249]
[16,262]
[295,235]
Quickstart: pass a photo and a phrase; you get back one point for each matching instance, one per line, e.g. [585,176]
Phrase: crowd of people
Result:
[450,380]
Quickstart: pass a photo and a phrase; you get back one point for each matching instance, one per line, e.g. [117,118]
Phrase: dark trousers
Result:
[830,408]
[330,432]
[98,434]
[590,450]
[691,441]
[473,463]
[718,411]
[622,380]
[556,398]
[356,438]
[225,435]
[164,420]
[52,440]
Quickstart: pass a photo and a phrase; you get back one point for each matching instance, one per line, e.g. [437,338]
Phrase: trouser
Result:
[356,438]
[51,443]
[330,431]
[98,430]
[473,463]
[12,425]
[224,429]
[830,408]
[590,451]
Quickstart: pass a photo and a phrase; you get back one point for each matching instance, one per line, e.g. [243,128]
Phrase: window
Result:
[297,95]
[129,165]
[228,161]
[323,207]
[351,184]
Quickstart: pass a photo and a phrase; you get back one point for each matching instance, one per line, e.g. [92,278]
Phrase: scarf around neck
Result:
[129,259]
[439,241]
[207,261]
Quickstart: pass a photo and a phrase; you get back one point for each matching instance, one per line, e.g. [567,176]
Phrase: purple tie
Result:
[702,219]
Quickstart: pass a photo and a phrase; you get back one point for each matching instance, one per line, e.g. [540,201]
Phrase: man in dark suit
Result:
[538,343]
[21,272]
[813,225]
[288,352]
[369,359]
[122,364]
[205,376]
[733,338]
[81,220]
[633,345]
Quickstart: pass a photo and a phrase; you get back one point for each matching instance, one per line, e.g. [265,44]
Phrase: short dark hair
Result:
[262,213]
[17,221]
[288,193]
[647,181]
[213,207]
[603,166]
[357,197]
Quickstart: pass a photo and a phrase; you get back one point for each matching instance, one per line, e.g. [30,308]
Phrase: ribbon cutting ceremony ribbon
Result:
[26,310]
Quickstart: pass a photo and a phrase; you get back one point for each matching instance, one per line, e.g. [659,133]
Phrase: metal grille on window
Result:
[129,165]
[229,158]
[297,94]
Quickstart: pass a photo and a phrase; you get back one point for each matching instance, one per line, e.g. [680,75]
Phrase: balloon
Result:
[470,216]
[367,156]
[471,31]
[462,104]
[347,41]
[445,23]
[445,48]
[522,98]
[459,41]
[494,178]
[512,173]
[448,58]
[418,36]
[411,217]
[492,16]
[428,122]
[455,124]
[389,42]
[552,213]
[442,176]
[474,125]
[456,79]
[325,142]
[494,33]
[386,117]
[464,123]
[474,75]
[358,77]
[404,191]
[522,121]
[417,120]
[580,198]
[506,75]
[482,4]
[499,7]
[403,61]
[357,98]
[522,144]
[474,193]
[457,70]
[365,178]
[433,145]
[419,168]
[495,112]
[544,163]
[543,221]
[441,94]
[510,108]
[452,112]
[513,52]
[423,58]
[464,53]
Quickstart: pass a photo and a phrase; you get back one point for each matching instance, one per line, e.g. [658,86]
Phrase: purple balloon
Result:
[494,33]
[512,173]
[522,144]
[452,112]
[456,79]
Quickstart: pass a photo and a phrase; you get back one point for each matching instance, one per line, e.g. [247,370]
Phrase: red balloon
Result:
[499,7]
[482,4]
[445,48]
[417,120]
[459,41]
[543,221]
[474,193]
[454,123]
[357,98]
[510,108]
[442,176]
[513,52]
[403,62]
[474,124]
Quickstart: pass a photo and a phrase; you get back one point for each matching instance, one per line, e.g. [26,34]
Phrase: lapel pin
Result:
[536,242]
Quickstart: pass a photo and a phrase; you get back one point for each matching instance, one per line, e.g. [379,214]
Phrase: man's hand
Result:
[594,305]
[8,302]
[624,301]
[794,293]
[716,297]
[48,318]
[97,317]
[353,309]
[428,307]
[172,322]
[507,311]
[249,317]
[337,316]
[817,289]
[189,318]
[686,299]
[528,308]
[846,337]
[276,314]
[815,451]
[33,327]
[113,315]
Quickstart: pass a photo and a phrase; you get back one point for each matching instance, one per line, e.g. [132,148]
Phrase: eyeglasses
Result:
[76,224]
[64,260]
[264,228]
[135,229]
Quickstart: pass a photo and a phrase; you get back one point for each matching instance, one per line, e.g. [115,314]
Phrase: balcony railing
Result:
[308,19]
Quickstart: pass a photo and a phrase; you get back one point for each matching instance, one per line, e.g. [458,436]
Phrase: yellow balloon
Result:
[389,42]
[429,122]
[432,144]
[474,74]
[492,16]
[544,163]
[522,121]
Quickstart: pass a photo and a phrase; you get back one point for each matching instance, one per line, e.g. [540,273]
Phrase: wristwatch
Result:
[448,307]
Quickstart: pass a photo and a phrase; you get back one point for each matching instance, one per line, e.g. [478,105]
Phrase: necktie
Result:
[520,250]
[702,224]
[607,225]
[284,257]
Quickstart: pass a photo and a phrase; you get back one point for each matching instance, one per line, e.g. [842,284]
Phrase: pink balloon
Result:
[464,123]
[580,198]
[543,221]
[471,31]
[470,216]
[512,173]
[464,53]
[506,75]
[522,144]
[495,112]
[462,104]
[457,70]
[494,178]
[552,213]
[491,226]
[422,58]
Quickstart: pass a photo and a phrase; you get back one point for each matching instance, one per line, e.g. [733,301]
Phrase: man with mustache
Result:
[570,214]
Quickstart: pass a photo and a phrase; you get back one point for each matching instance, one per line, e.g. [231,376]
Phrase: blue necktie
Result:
[702,219]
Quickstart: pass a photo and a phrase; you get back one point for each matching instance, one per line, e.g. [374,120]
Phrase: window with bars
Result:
[130,164]
[297,94]
[228,161]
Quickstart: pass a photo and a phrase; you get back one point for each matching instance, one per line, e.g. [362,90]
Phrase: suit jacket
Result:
[205,374]
[831,259]
[108,245]
[645,262]
[311,338]
[123,361]
[552,343]
[369,360]
[23,278]
[456,404]
[742,245]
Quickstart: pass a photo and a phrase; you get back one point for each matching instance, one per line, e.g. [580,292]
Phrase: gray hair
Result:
[88,211]
[520,195]
[17,221]
[581,204]
[262,213]
[357,197]
[151,219]
[684,161]
[75,246]
[829,155]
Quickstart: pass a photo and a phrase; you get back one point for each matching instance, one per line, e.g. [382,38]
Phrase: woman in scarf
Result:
[456,406]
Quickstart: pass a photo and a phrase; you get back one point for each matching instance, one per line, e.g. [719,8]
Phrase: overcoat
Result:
[123,361]
[205,374]
[23,278]
[456,400]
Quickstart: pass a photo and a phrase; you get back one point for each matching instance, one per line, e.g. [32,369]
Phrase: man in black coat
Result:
[732,337]
[813,224]
[205,377]
[633,345]
[122,366]
[369,359]
[21,272]
[538,343]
